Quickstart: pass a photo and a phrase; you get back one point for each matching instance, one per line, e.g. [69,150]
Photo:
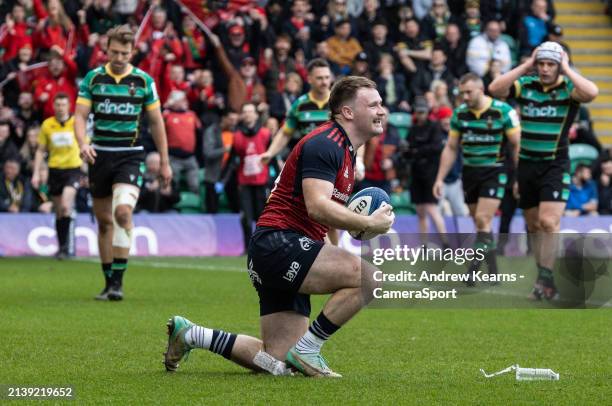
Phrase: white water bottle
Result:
[535,374]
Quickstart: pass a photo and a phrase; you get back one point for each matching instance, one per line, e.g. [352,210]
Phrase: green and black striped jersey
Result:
[305,115]
[117,103]
[547,114]
[483,133]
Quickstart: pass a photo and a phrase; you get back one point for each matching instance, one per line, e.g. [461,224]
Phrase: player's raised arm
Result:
[280,141]
[321,208]
[584,91]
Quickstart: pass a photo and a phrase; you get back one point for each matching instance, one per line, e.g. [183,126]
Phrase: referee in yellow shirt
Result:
[57,138]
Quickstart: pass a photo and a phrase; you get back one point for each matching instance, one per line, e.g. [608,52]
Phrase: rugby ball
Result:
[366,202]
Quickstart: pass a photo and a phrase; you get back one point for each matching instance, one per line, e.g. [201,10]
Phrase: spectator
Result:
[26,115]
[218,139]
[301,19]
[438,99]
[413,44]
[182,129]
[322,52]
[435,71]
[534,27]
[8,149]
[494,71]
[453,187]
[15,33]
[391,85]
[27,155]
[155,198]
[583,199]
[281,102]
[93,54]
[194,45]
[605,187]
[421,8]
[204,98]
[174,79]
[59,76]
[250,141]
[555,34]
[337,11]
[378,44]
[15,72]
[425,146]
[101,17]
[342,46]
[370,16]
[378,161]
[276,69]
[455,48]
[487,46]
[54,29]
[581,131]
[361,66]
[473,21]
[15,189]
[435,22]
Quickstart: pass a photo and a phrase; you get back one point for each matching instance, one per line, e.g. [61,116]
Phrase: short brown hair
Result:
[470,77]
[122,34]
[317,63]
[346,89]
[61,95]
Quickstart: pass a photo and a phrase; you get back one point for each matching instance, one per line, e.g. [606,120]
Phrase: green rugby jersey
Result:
[483,133]
[117,103]
[305,115]
[546,116]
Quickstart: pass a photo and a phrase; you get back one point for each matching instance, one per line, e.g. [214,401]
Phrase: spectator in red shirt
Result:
[174,79]
[194,45]
[251,140]
[277,68]
[204,98]
[14,33]
[59,76]
[54,27]
[182,129]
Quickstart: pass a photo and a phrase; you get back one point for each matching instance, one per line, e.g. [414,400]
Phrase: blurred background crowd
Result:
[414,50]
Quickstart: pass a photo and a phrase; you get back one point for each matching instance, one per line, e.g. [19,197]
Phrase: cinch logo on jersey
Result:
[545,111]
[340,196]
[108,107]
[294,268]
[471,137]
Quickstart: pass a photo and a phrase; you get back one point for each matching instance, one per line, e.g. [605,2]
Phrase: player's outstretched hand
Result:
[88,153]
[382,219]
[165,173]
[438,188]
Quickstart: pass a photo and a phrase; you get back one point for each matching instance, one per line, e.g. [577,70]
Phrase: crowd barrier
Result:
[205,235]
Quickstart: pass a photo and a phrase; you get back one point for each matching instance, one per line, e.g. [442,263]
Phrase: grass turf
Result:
[54,333]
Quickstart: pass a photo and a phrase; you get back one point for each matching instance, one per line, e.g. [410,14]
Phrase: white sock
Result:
[199,337]
[309,343]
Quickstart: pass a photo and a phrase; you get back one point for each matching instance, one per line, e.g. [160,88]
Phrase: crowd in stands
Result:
[215,91]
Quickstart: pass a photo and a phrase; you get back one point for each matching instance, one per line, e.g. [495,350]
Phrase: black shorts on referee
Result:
[61,178]
[278,262]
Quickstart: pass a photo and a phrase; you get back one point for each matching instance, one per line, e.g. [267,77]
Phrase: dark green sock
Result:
[119,267]
[108,272]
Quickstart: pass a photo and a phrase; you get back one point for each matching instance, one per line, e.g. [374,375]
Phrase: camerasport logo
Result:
[292,272]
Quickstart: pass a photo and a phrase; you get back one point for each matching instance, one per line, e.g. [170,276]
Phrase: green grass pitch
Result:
[54,333]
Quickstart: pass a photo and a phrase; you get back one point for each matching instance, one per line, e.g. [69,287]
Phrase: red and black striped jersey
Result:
[325,153]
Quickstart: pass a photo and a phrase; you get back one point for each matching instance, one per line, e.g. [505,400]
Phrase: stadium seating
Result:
[189,203]
[582,154]
[401,121]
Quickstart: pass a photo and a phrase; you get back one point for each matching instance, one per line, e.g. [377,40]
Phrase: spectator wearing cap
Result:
[486,47]
[534,27]
[243,84]
[425,145]
[361,66]
[378,43]
[391,85]
[183,128]
[436,70]
[14,33]
[454,47]
[555,34]
[342,46]
[243,37]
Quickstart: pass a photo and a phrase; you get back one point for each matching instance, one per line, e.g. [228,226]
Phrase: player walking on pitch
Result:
[548,103]
[482,126]
[117,94]
[288,260]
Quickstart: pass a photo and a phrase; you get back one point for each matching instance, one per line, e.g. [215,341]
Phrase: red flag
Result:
[201,10]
